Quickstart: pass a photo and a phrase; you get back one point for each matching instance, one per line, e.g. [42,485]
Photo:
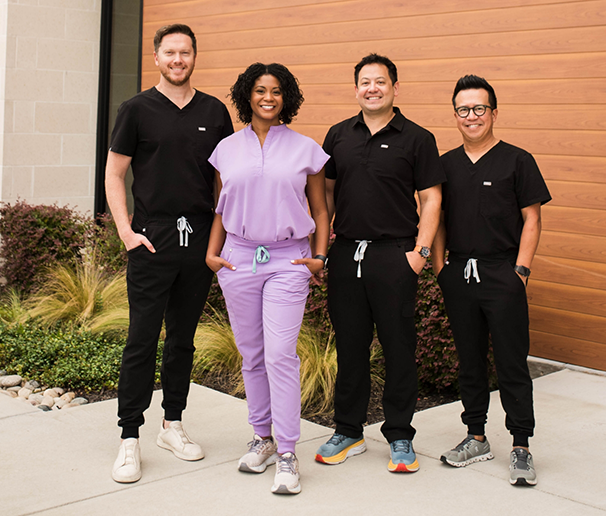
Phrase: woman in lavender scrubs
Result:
[266,176]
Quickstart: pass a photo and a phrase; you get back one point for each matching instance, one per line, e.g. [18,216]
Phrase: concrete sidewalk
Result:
[59,462]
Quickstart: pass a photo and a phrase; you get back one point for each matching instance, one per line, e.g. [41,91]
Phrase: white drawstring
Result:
[471,267]
[183,227]
[359,254]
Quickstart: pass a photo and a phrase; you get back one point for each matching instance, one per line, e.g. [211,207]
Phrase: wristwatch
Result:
[425,252]
[522,271]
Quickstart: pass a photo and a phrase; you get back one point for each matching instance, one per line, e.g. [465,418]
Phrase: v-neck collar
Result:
[170,102]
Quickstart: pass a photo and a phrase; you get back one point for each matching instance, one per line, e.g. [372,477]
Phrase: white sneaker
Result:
[286,480]
[127,467]
[176,440]
[261,453]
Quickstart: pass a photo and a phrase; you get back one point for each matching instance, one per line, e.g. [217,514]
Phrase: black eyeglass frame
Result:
[470,109]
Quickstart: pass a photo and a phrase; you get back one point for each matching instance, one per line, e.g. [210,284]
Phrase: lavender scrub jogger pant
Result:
[265,311]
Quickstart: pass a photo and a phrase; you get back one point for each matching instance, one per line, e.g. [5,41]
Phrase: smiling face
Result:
[266,100]
[375,92]
[475,129]
[175,58]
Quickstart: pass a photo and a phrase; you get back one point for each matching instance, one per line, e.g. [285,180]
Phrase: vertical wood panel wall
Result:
[546,60]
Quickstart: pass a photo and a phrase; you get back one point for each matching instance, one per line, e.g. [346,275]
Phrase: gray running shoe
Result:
[521,468]
[286,480]
[261,453]
[468,451]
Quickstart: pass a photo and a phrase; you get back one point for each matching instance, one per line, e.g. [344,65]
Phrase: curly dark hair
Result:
[291,93]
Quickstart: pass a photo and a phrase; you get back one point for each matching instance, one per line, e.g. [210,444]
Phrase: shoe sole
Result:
[126,480]
[178,454]
[522,482]
[352,450]
[261,467]
[479,458]
[285,490]
[403,468]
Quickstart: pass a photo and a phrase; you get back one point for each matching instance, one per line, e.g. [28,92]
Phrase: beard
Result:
[177,82]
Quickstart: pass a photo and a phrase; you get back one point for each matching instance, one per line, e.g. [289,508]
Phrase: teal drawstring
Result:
[261,256]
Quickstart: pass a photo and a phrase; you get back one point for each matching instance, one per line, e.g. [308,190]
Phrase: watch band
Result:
[321,257]
[522,271]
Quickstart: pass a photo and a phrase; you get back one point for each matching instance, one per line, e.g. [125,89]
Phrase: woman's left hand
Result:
[315,265]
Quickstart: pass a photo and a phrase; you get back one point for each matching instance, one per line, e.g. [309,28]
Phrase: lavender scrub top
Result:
[263,195]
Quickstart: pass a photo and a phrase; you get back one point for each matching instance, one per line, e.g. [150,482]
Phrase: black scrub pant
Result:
[384,295]
[497,305]
[171,284]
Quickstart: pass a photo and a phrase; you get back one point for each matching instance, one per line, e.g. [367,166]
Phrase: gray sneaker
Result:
[468,451]
[261,453]
[521,468]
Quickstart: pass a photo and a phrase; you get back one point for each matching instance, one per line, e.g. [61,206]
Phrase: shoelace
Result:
[471,267]
[401,446]
[257,444]
[286,464]
[462,444]
[129,454]
[261,256]
[184,229]
[520,458]
[336,439]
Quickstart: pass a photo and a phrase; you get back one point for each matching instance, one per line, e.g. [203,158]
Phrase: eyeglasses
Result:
[478,110]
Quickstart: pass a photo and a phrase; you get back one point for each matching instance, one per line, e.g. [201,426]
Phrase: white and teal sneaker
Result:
[403,458]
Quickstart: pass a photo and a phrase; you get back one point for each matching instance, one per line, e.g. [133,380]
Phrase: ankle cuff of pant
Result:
[172,415]
[285,447]
[476,430]
[520,440]
[262,430]
[130,432]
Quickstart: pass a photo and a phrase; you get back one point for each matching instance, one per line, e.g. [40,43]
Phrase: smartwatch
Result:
[522,271]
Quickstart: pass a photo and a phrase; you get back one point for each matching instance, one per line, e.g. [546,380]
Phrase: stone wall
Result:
[49,59]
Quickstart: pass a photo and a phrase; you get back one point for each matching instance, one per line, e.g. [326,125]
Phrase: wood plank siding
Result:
[546,60]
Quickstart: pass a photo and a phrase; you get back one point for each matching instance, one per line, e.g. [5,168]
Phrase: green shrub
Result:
[108,248]
[35,236]
[64,357]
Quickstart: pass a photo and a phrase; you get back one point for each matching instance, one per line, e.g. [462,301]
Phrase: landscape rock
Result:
[24,392]
[79,401]
[11,394]
[51,393]
[68,396]
[60,391]
[35,399]
[32,385]
[16,388]
[3,373]
[44,408]
[10,380]
[59,403]
[48,401]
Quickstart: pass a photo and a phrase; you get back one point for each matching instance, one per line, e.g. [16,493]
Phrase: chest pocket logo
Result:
[497,199]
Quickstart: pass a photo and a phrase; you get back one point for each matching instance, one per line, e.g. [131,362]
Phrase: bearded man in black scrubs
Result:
[167,134]
[379,159]
[490,224]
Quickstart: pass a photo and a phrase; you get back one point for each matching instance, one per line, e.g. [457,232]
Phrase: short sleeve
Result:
[124,135]
[330,168]
[214,157]
[318,158]
[228,126]
[428,167]
[530,185]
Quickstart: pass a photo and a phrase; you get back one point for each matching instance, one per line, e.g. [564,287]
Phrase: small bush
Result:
[84,295]
[35,236]
[64,357]
[109,250]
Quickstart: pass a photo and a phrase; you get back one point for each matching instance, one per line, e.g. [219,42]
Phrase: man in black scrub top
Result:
[490,224]
[379,159]
[167,134]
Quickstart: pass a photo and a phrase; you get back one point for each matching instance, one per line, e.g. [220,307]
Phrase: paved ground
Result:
[59,462]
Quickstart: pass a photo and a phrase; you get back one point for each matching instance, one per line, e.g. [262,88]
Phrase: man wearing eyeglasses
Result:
[490,224]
